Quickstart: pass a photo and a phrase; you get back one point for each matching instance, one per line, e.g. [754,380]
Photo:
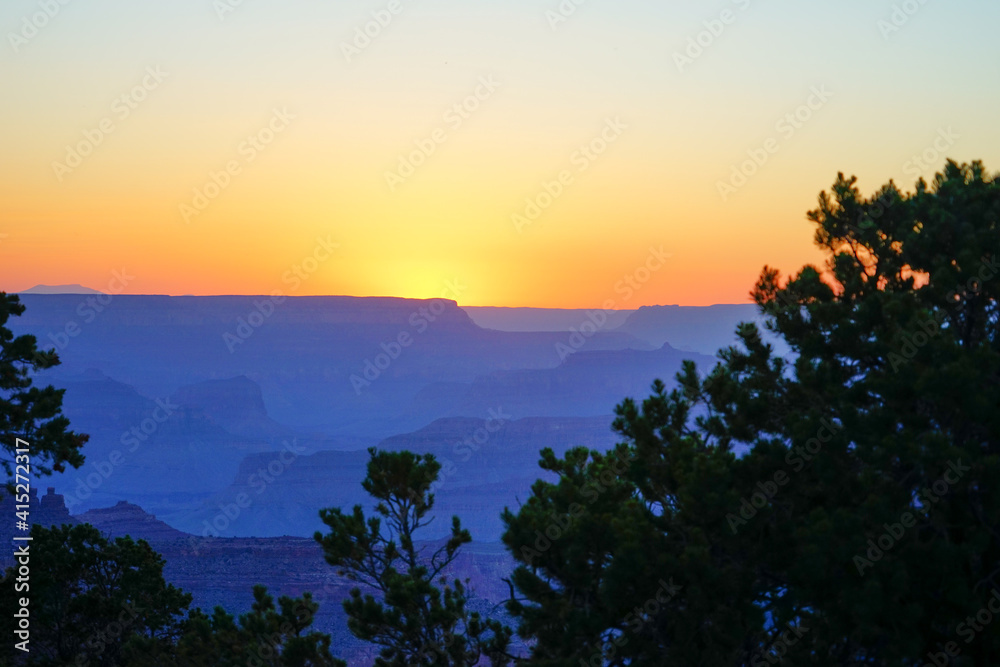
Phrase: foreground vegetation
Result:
[840,507]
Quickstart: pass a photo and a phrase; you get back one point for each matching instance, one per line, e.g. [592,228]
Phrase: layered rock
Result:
[235,404]
[220,571]
[124,518]
[487,463]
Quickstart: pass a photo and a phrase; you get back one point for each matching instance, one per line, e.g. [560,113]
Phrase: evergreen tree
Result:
[89,596]
[414,621]
[30,414]
[100,602]
[838,507]
[266,636]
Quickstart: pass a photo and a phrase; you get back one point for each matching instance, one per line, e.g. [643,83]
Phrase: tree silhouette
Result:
[415,622]
[89,597]
[97,601]
[839,506]
[30,414]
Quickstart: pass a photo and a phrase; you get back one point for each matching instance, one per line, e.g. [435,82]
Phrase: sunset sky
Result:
[119,116]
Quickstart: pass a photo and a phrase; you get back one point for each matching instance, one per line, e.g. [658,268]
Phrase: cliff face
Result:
[704,329]
[125,518]
[220,571]
[235,404]
[52,509]
[175,406]
[302,352]
[122,519]
[162,453]
[587,383]
[486,464]
[48,510]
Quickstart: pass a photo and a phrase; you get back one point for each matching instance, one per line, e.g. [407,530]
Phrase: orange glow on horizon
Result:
[214,157]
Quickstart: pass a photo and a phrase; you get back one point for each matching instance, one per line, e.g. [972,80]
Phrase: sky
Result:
[573,154]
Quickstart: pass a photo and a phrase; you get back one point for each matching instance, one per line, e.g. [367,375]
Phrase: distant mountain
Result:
[486,464]
[236,404]
[189,400]
[586,384]
[222,571]
[278,494]
[542,319]
[60,289]
[160,452]
[704,329]
[124,518]
[343,365]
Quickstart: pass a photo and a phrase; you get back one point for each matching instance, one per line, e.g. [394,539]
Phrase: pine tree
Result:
[413,621]
[89,596]
[31,417]
[838,507]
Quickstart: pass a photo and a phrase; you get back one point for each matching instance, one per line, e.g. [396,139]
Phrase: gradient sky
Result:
[324,174]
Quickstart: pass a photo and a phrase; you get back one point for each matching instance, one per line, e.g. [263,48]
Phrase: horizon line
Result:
[26,292]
